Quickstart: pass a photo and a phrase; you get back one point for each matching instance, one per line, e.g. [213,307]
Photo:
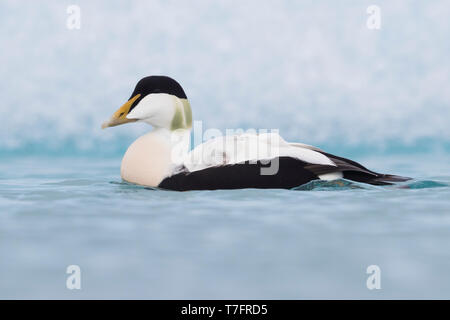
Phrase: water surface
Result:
[135,242]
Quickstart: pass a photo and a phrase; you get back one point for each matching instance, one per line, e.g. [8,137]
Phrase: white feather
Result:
[249,147]
[331,176]
[156,109]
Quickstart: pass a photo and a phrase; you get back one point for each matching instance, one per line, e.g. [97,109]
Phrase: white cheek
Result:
[155,108]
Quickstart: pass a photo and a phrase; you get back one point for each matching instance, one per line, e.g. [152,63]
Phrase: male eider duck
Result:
[161,158]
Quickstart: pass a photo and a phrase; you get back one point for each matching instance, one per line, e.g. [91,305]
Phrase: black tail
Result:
[354,171]
[377,179]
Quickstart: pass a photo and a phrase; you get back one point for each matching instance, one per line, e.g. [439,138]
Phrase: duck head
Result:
[157,100]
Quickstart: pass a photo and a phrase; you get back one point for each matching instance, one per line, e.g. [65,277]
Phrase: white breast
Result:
[147,160]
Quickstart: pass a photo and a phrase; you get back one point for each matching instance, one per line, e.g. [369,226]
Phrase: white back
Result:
[249,147]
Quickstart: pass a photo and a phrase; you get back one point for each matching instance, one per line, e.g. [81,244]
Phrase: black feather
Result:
[356,172]
[291,173]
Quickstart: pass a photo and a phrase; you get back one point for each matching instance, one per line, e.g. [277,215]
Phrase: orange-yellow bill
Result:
[120,116]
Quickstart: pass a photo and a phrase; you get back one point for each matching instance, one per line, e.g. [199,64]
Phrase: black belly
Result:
[291,173]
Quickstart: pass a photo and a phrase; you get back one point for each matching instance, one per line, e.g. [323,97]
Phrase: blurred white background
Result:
[311,69]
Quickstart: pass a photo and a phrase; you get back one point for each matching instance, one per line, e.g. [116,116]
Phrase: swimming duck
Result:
[161,158]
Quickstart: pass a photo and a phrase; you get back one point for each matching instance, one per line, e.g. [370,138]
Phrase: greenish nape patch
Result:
[187,113]
[182,118]
[177,121]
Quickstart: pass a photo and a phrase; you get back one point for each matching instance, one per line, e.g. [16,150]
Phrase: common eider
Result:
[161,158]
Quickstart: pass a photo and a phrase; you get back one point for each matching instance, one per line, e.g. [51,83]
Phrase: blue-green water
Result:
[134,242]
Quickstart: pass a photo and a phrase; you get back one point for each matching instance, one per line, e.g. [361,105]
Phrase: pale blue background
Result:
[309,68]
